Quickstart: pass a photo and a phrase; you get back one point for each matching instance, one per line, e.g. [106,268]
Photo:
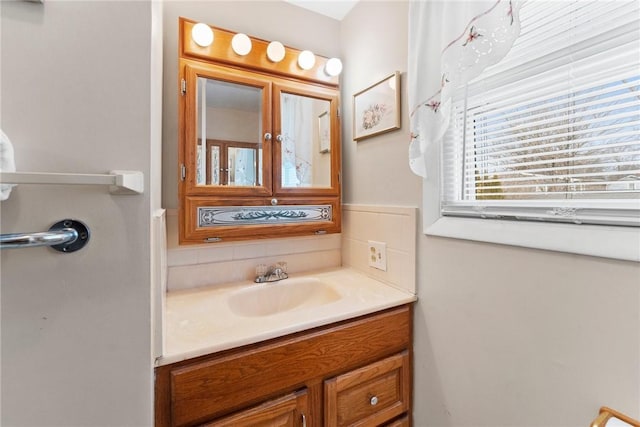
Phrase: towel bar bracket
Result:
[78,243]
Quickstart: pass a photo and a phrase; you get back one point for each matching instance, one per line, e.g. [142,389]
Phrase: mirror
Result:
[230,117]
[259,147]
[305,145]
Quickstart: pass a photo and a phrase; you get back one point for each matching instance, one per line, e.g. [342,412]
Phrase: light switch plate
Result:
[377,255]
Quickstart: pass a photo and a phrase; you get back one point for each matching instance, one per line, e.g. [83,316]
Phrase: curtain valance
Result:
[450,43]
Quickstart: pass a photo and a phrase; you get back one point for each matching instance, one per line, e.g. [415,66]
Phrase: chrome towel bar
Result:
[65,236]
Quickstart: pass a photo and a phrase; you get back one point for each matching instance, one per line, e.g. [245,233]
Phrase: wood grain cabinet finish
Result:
[400,422]
[288,411]
[371,395]
[326,373]
[269,163]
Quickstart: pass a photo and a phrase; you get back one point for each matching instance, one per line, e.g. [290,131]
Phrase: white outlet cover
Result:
[377,255]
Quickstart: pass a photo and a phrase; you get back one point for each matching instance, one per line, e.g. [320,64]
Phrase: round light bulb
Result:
[275,52]
[333,67]
[202,34]
[241,44]
[306,60]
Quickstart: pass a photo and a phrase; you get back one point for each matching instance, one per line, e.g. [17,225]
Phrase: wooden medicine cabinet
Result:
[259,142]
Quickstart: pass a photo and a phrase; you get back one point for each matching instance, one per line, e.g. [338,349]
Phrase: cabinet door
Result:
[233,111]
[371,395]
[288,411]
[307,140]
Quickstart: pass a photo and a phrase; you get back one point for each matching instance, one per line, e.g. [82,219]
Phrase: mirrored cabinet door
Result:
[227,133]
[306,151]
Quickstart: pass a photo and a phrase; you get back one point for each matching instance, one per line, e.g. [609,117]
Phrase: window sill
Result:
[621,243]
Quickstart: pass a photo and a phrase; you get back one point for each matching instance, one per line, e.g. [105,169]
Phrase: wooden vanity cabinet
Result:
[352,373]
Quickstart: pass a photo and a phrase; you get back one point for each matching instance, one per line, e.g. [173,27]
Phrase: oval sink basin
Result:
[270,298]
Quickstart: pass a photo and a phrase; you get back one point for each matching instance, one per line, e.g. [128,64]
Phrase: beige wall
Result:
[232,125]
[77,88]
[503,335]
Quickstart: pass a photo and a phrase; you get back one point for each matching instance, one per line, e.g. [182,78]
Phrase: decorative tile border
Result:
[209,216]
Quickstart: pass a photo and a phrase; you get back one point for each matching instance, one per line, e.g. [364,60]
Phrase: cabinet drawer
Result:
[288,411]
[370,395]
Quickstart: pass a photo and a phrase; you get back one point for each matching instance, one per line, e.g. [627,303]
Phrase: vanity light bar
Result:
[239,49]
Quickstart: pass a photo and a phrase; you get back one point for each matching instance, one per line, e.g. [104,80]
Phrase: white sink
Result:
[265,299]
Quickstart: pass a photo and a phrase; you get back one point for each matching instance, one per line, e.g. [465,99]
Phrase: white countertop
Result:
[200,321]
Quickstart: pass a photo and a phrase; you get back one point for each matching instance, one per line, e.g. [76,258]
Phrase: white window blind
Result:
[552,132]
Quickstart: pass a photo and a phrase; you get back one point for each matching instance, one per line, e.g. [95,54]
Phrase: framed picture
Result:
[376,109]
[324,132]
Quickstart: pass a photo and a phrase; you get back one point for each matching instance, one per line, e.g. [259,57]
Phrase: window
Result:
[552,132]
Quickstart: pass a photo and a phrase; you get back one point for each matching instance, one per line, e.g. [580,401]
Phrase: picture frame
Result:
[324,132]
[376,109]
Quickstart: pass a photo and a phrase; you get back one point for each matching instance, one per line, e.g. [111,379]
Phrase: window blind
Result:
[552,132]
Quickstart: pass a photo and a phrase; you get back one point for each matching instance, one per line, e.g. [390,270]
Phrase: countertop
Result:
[200,321]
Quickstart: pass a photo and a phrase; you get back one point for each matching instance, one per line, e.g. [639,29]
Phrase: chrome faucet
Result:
[272,273]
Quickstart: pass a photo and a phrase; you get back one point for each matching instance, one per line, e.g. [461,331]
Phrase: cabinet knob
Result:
[274,202]
[267,136]
[374,400]
[279,138]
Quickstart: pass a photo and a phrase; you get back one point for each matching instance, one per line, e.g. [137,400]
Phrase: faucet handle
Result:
[282,265]
[261,269]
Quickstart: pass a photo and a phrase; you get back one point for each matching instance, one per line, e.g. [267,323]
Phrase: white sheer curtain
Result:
[297,143]
[450,42]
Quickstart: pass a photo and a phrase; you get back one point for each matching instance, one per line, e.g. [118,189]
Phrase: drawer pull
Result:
[374,400]
[304,421]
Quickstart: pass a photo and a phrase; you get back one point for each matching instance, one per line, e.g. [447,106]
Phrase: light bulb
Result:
[333,67]
[202,34]
[306,60]
[275,52]
[241,44]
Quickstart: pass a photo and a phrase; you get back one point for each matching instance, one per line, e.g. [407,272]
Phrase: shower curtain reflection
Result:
[298,140]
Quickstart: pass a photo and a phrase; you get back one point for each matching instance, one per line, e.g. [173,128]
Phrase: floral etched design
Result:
[473,35]
[235,215]
[434,105]
[372,116]
[325,213]
[267,215]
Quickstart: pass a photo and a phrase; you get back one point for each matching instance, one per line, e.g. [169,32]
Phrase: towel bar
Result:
[64,236]
[120,182]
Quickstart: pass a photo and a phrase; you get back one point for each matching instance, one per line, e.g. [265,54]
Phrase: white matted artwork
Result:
[376,109]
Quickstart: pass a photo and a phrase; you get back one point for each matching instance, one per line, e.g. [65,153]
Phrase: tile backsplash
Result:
[218,263]
[393,225]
